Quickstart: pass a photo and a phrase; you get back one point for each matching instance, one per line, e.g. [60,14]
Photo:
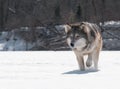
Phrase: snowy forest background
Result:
[38,24]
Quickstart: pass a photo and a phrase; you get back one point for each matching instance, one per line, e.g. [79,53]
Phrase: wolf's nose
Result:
[72,44]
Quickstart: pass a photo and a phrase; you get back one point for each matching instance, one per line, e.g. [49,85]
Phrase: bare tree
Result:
[94,10]
[4,13]
[1,14]
[103,11]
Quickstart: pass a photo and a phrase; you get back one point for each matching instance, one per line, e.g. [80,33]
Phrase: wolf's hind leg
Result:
[95,58]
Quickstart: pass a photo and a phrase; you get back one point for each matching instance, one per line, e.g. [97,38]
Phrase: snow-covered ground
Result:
[57,70]
[112,24]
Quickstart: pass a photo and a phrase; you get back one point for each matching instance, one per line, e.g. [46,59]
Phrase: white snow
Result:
[112,24]
[13,45]
[57,70]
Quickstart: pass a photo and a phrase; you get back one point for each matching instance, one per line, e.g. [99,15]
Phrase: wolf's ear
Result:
[87,30]
[67,28]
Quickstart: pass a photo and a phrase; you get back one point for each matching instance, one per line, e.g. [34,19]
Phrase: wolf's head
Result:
[78,36]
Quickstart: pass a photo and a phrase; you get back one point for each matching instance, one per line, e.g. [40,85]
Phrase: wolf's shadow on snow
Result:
[81,72]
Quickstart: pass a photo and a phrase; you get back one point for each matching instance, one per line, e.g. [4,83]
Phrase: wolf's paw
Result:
[88,63]
[82,69]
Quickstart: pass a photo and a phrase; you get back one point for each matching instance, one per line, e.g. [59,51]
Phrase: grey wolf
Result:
[84,39]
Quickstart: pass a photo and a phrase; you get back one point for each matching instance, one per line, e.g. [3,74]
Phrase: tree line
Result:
[32,13]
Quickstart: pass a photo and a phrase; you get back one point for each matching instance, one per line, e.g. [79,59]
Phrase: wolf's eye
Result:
[77,36]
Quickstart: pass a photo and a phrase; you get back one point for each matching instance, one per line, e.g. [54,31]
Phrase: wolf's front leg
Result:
[81,62]
[89,60]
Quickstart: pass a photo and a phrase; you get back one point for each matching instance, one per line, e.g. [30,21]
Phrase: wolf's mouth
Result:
[74,48]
